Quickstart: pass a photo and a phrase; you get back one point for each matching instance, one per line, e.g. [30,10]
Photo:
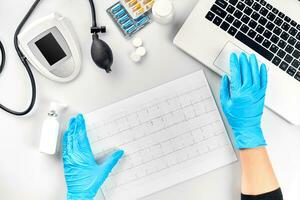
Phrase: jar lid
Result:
[162,8]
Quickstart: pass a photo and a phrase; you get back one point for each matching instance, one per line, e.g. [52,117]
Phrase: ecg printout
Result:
[170,134]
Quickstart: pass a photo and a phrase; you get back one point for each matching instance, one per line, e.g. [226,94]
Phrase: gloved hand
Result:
[242,100]
[83,175]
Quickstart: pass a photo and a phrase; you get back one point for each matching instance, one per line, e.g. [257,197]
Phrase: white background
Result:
[27,174]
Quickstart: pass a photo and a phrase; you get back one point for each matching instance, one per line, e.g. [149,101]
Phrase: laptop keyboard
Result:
[263,28]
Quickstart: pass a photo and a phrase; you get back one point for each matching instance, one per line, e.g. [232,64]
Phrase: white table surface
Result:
[27,174]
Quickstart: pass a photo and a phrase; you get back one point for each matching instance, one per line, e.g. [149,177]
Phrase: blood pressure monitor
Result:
[50,45]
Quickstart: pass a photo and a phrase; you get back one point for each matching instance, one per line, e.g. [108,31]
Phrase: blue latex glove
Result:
[242,100]
[83,175]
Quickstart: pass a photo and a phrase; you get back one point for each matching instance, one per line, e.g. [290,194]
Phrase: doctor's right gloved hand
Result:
[83,175]
[242,99]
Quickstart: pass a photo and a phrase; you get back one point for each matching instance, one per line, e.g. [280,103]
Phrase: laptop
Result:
[271,30]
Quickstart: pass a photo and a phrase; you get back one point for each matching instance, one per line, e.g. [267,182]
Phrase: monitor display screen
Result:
[50,49]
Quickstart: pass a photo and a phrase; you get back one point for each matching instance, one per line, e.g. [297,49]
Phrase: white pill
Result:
[141,51]
[135,57]
[137,42]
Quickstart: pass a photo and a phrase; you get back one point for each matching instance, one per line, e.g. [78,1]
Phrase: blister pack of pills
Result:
[137,7]
[123,20]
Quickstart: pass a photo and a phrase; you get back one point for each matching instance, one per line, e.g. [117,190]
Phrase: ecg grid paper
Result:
[170,134]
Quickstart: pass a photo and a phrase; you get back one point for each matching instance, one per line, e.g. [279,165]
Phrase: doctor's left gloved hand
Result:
[83,175]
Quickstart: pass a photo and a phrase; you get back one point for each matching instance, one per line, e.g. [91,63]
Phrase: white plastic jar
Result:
[163,11]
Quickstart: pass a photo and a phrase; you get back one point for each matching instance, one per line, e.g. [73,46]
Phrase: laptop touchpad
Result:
[222,60]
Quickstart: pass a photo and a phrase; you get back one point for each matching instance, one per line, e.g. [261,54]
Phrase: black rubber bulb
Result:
[101,53]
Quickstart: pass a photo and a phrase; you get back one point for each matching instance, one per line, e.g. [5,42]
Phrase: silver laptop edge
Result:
[210,45]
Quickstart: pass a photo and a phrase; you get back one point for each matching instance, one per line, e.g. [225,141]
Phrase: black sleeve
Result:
[275,195]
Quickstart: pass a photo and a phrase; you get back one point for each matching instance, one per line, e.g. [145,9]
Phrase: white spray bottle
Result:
[50,129]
